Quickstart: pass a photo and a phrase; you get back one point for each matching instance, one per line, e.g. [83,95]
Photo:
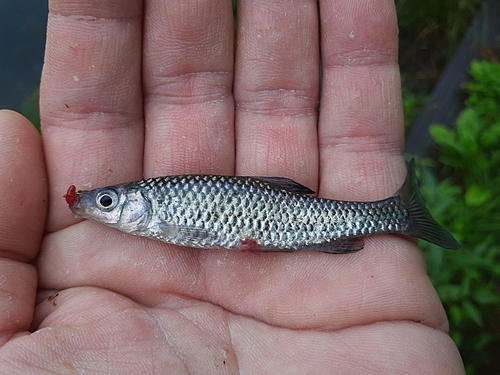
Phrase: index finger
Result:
[91,97]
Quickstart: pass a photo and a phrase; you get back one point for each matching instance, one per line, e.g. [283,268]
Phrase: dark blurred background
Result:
[23,25]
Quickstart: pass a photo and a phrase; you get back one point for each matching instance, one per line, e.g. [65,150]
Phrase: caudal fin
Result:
[422,225]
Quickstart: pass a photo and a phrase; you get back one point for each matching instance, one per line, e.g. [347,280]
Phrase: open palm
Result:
[135,89]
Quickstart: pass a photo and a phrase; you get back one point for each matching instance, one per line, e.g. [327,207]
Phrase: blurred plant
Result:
[30,108]
[430,32]
[466,200]
[430,17]
[235,10]
[412,105]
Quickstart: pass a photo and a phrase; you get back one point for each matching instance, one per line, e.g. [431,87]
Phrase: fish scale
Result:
[254,213]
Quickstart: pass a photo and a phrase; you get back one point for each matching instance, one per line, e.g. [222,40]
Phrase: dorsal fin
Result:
[285,184]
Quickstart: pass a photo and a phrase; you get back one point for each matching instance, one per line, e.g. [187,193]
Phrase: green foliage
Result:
[426,19]
[429,34]
[467,201]
[412,105]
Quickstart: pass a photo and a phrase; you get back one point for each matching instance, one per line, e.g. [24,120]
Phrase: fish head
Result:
[103,204]
[128,211]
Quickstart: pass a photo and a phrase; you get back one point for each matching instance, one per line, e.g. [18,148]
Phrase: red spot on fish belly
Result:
[250,245]
[70,196]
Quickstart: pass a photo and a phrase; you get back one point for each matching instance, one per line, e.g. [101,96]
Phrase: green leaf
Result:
[491,136]
[443,136]
[456,315]
[434,256]
[485,295]
[472,312]
[450,292]
[468,122]
[476,196]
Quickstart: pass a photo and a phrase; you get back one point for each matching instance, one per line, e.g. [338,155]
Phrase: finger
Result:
[23,206]
[90,97]
[277,89]
[188,69]
[361,123]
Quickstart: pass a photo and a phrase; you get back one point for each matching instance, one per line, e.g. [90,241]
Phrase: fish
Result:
[255,213]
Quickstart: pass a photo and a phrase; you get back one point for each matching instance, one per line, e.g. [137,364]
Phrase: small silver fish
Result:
[254,213]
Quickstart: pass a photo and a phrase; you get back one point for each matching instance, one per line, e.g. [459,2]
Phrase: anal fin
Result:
[344,246]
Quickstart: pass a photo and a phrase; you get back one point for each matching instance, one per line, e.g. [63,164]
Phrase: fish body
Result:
[254,213]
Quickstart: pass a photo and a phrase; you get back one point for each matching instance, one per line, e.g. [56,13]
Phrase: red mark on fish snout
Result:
[70,196]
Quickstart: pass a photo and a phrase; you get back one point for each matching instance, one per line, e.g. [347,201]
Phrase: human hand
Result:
[132,91]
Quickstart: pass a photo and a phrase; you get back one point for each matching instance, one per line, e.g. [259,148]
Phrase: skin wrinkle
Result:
[225,337]
[92,19]
[189,99]
[364,144]
[230,334]
[210,79]
[270,113]
[189,315]
[199,98]
[122,120]
[368,367]
[342,343]
[158,325]
[11,254]
[352,62]
[443,327]
[279,102]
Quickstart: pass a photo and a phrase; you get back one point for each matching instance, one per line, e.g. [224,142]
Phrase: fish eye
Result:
[107,199]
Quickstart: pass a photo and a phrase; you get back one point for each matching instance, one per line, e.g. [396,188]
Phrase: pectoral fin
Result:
[286,184]
[190,236]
